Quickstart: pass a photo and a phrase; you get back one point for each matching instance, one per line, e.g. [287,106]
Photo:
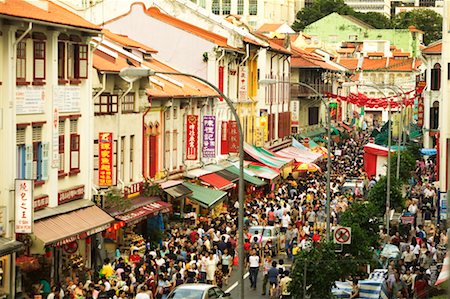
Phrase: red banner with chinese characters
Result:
[420,111]
[233,136]
[105,158]
[224,138]
[192,137]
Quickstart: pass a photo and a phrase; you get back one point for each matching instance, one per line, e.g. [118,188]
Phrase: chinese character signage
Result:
[243,83]
[55,137]
[24,207]
[295,112]
[224,138]
[192,137]
[234,136]
[105,158]
[420,111]
[209,136]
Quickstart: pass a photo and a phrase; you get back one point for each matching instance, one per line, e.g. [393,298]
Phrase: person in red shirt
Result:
[421,286]
[193,236]
[316,237]
[135,257]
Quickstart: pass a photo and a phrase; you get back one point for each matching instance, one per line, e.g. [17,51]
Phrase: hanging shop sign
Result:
[420,111]
[243,83]
[224,148]
[234,136]
[209,136]
[71,194]
[24,207]
[192,137]
[105,159]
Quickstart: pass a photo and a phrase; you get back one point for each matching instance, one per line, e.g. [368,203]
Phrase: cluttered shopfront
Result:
[140,219]
[60,244]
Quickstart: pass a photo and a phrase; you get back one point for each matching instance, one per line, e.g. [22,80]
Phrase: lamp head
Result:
[131,74]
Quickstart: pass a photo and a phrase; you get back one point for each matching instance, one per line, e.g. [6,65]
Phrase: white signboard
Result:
[295,112]
[30,99]
[24,207]
[342,235]
[67,98]
[243,81]
[55,136]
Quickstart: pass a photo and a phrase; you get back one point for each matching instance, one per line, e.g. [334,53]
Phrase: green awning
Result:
[319,139]
[248,178]
[8,246]
[206,197]
[313,133]
[334,131]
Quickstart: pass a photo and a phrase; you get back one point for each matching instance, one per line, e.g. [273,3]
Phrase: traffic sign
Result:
[342,235]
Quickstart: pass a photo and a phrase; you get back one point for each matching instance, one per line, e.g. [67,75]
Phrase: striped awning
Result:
[265,157]
[263,172]
[303,156]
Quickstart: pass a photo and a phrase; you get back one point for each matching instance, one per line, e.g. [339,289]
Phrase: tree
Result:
[375,19]
[407,165]
[426,20]
[318,10]
[377,195]
[319,268]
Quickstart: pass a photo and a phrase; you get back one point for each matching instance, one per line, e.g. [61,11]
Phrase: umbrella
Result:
[321,150]
[307,167]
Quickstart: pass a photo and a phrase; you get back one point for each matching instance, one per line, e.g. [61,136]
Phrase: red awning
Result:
[150,209]
[376,150]
[345,126]
[217,181]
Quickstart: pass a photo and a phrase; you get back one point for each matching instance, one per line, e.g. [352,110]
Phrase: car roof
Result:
[195,286]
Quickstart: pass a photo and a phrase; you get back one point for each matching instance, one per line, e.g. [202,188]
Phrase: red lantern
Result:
[116,226]
[88,241]
[122,223]
[110,229]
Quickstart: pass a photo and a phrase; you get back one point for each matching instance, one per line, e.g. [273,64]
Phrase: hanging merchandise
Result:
[361,100]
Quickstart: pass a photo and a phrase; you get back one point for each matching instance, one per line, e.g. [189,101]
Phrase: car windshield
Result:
[182,293]
[257,231]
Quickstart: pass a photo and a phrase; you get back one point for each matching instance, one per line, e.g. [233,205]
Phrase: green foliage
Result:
[113,200]
[151,188]
[407,165]
[426,20]
[414,150]
[318,10]
[375,19]
[361,217]
[322,267]
[377,195]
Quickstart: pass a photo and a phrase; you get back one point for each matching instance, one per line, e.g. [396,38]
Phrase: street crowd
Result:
[207,252]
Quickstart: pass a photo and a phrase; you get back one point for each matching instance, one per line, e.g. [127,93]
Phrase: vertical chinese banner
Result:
[224,145]
[192,137]
[243,83]
[24,207]
[55,136]
[420,111]
[233,136]
[209,136]
[105,158]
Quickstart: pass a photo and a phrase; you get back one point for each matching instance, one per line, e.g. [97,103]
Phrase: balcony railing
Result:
[302,91]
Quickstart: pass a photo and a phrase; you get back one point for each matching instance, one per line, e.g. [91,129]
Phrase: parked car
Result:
[352,185]
[266,233]
[198,291]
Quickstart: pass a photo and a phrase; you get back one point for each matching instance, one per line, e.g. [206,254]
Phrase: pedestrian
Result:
[266,266]
[285,282]
[253,264]
[219,275]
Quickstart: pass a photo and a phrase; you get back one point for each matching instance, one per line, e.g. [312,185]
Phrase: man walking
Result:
[253,264]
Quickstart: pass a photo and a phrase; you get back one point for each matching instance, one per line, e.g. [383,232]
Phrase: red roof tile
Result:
[50,12]
[373,64]
[350,63]
[269,27]
[126,41]
[435,48]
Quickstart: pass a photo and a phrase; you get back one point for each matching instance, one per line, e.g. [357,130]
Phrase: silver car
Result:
[266,233]
[198,291]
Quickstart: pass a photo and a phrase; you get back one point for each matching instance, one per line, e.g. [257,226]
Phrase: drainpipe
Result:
[166,171]
[119,137]
[201,139]
[217,64]
[183,146]
[12,271]
[147,110]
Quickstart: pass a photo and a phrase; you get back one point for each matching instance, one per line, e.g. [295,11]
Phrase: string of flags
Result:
[361,100]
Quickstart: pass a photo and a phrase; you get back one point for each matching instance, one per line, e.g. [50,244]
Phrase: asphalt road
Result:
[234,288]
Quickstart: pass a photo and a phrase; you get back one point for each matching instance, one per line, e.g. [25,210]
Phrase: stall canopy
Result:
[313,133]
[262,156]
[205,197]
[75,225]
[247,177]
[178,191]
[215,180]
[8,246]
[372,162]
[428,151]
[302,156]
[152,208]
[263,172]
[228,175]
[297,144]
[198,172]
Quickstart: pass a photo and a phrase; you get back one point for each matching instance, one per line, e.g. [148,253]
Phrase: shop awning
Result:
[231,176]
[377,150]
[313,133]
[216,181]
[66,228]
[198,172]
[248,178]
[205,197]
[304,156]
[169,183]
[151,209]
[178,191]
[264,157]
[297,144]
[263,172]
[8,246]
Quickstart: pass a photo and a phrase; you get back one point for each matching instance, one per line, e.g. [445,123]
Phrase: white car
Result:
[266,233]
[198,291]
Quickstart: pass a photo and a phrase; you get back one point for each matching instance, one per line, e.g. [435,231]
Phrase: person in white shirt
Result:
[285,221]
[253,264]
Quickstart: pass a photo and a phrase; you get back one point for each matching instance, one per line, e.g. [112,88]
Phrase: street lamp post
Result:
[131,74]
[328,116]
